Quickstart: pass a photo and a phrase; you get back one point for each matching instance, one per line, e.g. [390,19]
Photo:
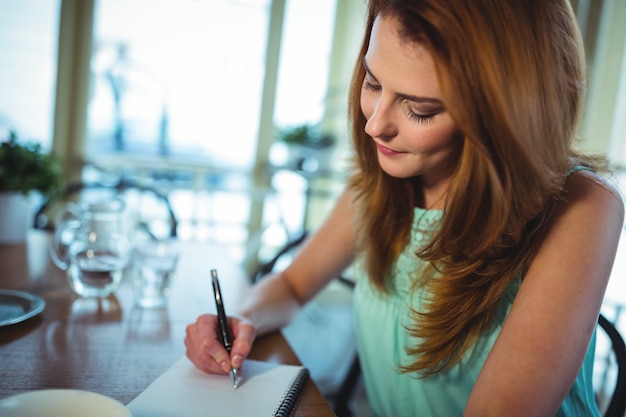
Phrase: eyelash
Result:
[421,118]
[410,114]
[369,86]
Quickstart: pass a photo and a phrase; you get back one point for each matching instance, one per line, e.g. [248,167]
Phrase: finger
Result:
[245,334]
[194,351]
[214,349]
[203,348]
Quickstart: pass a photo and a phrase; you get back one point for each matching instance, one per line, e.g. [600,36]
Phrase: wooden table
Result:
[107,345]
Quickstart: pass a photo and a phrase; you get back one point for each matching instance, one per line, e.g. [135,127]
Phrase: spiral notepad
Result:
[266,389]
[290,397]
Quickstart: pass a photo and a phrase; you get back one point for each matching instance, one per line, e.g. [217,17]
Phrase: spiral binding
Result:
[288,401]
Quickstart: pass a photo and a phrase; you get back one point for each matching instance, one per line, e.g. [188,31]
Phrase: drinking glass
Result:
[154,266]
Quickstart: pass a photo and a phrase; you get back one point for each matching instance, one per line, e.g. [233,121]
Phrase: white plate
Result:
[61,403]
[17,306]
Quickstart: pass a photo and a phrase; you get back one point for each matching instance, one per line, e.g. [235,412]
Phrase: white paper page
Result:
[185,391]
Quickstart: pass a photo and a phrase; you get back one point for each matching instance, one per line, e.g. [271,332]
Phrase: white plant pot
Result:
[15,217]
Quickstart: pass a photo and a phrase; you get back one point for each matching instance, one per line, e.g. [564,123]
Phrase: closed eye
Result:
[368,85]
[421,118]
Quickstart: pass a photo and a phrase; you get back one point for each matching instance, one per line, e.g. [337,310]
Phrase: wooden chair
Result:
[165,226]
[339,397]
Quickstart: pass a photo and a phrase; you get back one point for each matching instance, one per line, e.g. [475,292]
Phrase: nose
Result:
[380,124]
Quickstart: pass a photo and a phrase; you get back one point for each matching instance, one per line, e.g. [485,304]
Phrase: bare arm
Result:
[272,303]
[543,342]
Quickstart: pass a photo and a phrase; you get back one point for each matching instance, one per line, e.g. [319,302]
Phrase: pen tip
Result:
[235,376]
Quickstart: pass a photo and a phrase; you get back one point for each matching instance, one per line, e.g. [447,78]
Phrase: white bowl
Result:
[61,403]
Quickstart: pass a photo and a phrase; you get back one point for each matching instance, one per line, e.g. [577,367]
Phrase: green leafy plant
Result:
[306,135]
[25,168]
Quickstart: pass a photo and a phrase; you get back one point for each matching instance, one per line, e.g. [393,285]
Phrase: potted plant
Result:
[308,148]
[24,171]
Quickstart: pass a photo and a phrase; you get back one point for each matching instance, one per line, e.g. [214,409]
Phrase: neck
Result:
[434,193]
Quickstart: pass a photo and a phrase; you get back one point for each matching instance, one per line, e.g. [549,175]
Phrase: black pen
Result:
[225,334]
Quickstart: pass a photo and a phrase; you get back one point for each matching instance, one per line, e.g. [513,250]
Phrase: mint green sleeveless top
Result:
[380,325]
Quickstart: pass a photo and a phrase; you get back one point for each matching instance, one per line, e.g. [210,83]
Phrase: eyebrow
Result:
[417,99]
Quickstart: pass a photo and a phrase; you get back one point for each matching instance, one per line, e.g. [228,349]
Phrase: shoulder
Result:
[588,214]
[586,189]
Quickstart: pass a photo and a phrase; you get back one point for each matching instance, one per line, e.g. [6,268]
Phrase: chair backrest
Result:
[268,266]
[617,403]
[338,393]
[166,226]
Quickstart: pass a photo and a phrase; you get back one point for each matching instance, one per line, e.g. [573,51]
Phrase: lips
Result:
[386,151]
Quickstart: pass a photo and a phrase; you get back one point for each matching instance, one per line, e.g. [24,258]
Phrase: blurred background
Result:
[233,109]
[192,96]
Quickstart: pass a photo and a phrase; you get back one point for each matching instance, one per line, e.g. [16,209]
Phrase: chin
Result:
[397,168]
[399,173]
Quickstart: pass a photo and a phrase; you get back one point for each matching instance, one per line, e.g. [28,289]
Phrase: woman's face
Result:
[406,117]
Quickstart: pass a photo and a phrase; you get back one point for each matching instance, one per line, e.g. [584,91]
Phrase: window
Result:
[184,78]
[178,77]
[304,64]
[28,51]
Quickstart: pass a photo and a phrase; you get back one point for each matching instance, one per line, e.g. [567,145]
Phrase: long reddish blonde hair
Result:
[512,75]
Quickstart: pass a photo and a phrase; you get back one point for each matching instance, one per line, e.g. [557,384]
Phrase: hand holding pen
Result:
[223,330]
[205,347]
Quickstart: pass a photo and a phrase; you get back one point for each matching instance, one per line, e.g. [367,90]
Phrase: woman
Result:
[484,239]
